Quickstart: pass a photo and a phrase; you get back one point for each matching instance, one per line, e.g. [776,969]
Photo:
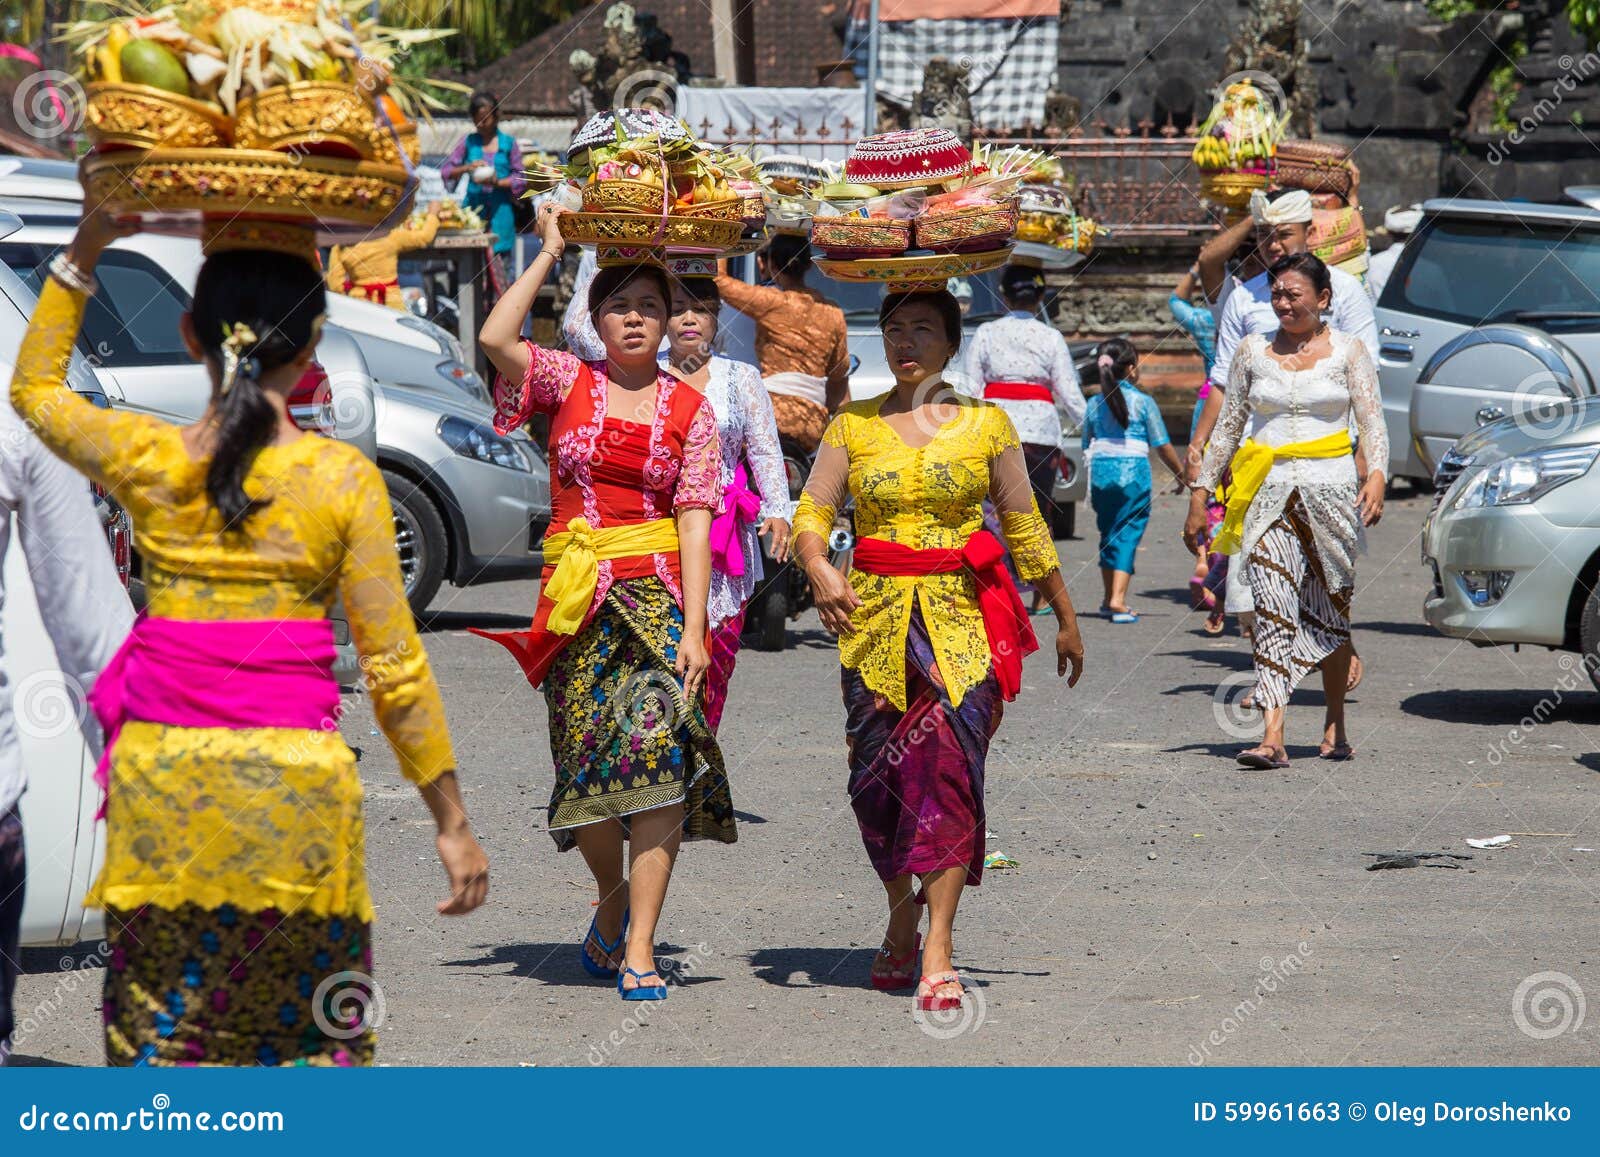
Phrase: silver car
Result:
[1513,540]
[1490,312]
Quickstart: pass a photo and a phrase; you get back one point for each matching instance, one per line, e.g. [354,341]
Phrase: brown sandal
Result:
[1264,758]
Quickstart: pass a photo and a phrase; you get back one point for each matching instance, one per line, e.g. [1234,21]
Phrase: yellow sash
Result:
[1250,468]
[577,553]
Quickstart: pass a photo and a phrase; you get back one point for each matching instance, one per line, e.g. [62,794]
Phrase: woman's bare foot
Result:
[896,960]
[608,927]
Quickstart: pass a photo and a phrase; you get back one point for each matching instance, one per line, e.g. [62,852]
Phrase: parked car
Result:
[1513,541]
[470,506]
[870,376]
[1490,312]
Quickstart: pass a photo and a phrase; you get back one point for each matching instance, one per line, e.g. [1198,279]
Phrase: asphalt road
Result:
[1169,907]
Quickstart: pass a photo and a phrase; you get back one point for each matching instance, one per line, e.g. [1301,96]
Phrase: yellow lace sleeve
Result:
[109,446]
[828,484]
[405,697]
[1033,548]
[1027,534]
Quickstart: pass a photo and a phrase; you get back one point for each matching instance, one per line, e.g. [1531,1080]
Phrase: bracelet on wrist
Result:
[70,276]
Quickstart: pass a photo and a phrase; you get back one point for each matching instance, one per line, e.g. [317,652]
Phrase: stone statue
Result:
[943,101]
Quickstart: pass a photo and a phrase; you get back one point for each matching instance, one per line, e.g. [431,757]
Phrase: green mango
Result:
[149,63]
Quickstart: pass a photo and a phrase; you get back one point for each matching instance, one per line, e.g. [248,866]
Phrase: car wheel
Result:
[1064,520]
[419,539]
[1589,636]
[769,613]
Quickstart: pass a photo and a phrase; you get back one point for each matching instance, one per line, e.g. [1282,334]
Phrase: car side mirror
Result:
[855,363]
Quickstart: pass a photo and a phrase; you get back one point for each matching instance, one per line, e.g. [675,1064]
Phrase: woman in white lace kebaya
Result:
[755,485]
[1296,510]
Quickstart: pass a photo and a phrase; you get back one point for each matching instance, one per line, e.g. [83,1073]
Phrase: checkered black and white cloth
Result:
[1012,62]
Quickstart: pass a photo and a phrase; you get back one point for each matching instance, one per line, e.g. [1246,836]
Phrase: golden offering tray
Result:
[691,234]
[925,271]
[176,190]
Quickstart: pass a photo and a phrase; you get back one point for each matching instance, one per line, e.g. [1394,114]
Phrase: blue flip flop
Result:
[644,991]
[599,971]
[1124,617]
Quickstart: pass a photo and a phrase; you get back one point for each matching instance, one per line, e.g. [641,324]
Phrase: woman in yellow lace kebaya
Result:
[931,630]
[234,884]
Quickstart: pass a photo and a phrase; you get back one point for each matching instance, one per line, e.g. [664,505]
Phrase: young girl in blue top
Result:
[1120,429]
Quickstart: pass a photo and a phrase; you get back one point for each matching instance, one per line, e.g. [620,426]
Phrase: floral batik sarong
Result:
[916,777]
[623,738]
[228,986]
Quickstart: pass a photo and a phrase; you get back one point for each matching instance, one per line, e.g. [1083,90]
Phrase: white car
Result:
[62,838]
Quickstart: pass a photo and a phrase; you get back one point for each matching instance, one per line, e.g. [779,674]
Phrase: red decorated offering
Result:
[908,159]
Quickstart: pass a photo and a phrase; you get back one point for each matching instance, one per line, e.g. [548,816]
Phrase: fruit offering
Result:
[1242,132]
[221,53]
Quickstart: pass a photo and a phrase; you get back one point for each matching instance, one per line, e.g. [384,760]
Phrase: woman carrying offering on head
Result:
[619,638]
[755,484]
[234,884]
[931,630]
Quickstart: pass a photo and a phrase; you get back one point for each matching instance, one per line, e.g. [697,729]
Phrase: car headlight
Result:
[463,378]
[1526,477]
[471,440]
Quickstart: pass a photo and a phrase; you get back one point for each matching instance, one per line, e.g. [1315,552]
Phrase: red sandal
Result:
[902,969]
[933,1002]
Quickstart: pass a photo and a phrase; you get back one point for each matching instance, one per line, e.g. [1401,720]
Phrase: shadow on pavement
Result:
[840,968]
[1502,708]
[557,964]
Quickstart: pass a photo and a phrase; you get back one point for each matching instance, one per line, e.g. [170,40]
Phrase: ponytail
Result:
[1115,358]
[254,311]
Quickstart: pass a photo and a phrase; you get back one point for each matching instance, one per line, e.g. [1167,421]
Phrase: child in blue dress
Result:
[1120,429]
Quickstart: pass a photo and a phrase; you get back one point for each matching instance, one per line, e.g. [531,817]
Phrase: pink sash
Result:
[235,674]
[740,507]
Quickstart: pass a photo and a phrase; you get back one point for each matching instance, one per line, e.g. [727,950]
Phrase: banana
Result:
[107,66]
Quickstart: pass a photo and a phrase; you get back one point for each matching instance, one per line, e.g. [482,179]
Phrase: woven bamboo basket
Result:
[1316,177]
[136,116]
[312,117]
[853,238]
[979,229]
[621,196]
[727,209]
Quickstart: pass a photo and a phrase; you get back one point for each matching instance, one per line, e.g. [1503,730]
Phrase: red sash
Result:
[377,291]
[1004,619]
[1017,392]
